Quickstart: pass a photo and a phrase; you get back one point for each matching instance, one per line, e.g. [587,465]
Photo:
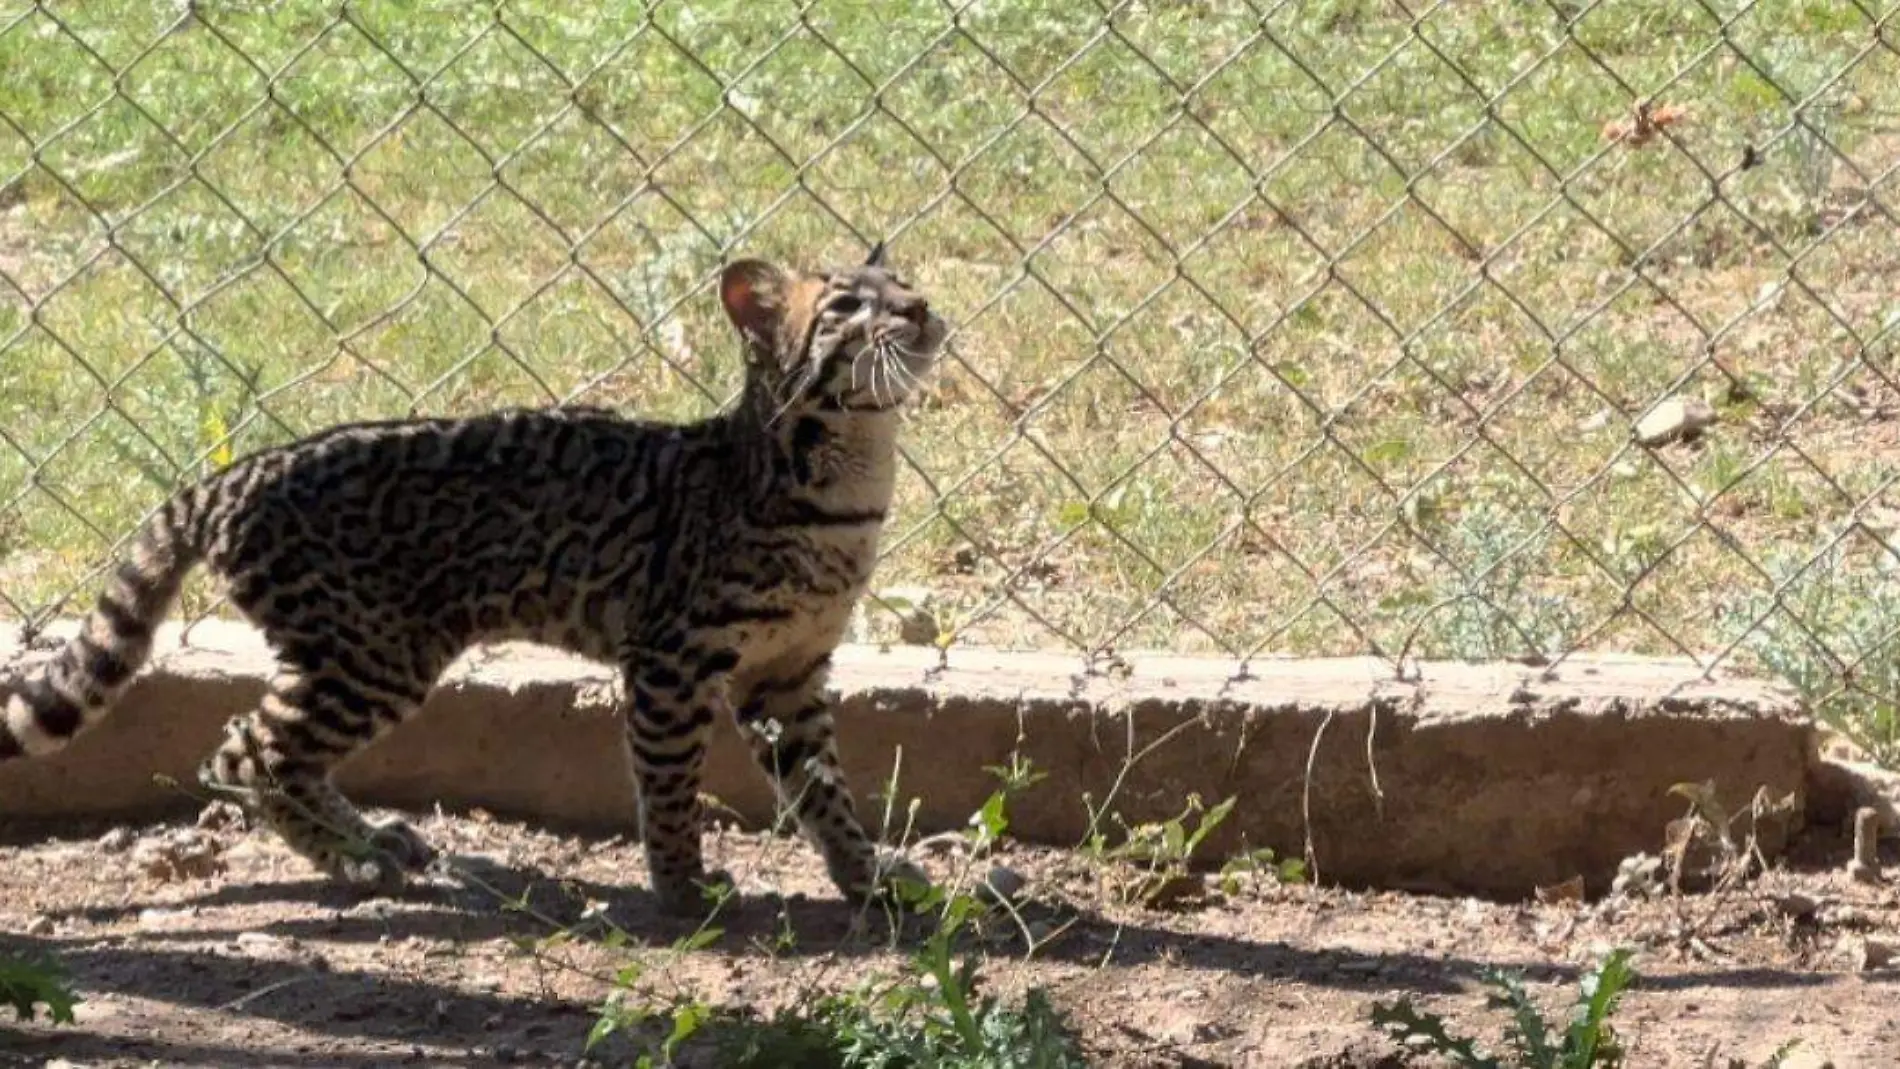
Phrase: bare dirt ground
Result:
[214,947]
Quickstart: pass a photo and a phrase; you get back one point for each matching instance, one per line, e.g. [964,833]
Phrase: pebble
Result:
[118,840]
[263,944]
[1674,419]
[41,925]
[1002,884]
[154,917]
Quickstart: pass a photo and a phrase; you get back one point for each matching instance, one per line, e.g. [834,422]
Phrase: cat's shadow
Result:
[472,898]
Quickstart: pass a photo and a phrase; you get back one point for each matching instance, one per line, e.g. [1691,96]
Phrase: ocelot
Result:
[714,564]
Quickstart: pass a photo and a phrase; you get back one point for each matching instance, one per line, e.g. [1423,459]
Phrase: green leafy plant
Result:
[1503,611]
[930,1015]
[1249,865]
[1835,612]
[897,1030]
[1162,853]
[27,983]
[1586,1042]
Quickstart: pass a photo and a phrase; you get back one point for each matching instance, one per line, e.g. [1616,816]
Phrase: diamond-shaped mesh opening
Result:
[575,171]
[189,239]
[875,172]
[499,251]
[422,174]
[570,334]
[345,88]
[1107,67]
[346,260]
[931,100]
[1475,569]
[69,79]
[1148,185]
[422,40]
[378,367]
[496,93]
[270,169]
[1028,180]
[576,41]
[649,254]
[193,84]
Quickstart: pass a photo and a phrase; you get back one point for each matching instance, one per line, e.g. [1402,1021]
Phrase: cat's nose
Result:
[914,309]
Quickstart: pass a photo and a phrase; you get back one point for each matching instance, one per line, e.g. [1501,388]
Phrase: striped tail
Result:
[41,712]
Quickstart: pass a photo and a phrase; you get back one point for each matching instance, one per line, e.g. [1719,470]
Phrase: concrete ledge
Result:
[1494,779]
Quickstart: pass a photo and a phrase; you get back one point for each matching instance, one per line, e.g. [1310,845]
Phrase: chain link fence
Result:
[1412,329]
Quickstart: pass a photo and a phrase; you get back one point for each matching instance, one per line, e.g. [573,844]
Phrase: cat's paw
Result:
[694,896]
[402,844]
[382,863]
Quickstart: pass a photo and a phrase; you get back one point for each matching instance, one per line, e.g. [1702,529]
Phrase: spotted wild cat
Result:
[715,564]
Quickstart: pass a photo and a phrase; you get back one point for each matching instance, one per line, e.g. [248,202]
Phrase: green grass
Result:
[1305,328]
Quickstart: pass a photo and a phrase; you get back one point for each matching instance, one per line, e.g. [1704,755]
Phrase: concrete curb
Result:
[1490,779]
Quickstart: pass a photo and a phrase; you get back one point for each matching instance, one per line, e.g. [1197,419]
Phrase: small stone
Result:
[1001,885]
[263,945]
[1570,890]
[915,609]
[1170,890]
[1797,906]
[40,925]
[184,854]
[153,917]
[1184,1030]
[118,840]
[1675,419]
[1872,953]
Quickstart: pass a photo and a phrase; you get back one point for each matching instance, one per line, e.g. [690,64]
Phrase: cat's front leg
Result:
[787,721]
[669,712]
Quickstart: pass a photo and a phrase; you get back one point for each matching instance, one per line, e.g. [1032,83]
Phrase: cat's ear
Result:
[753,292]
[876,259]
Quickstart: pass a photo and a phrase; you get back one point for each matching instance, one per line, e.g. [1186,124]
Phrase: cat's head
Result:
[857,339]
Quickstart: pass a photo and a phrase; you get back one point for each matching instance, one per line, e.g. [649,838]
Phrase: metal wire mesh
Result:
[1313,328]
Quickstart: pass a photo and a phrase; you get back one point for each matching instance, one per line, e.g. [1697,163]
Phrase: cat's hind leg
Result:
[277,759]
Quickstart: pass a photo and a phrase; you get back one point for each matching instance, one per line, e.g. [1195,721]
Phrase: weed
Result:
[1161,855]
[1503,609]
[1829,632]
[930,1015]
[1249,866]
[911,1028]
[1586,1042]
[27,983]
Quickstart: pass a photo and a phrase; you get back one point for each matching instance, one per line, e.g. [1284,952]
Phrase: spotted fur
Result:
[714,563]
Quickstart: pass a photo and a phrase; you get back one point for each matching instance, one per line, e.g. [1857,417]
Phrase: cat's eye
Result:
[847,305]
